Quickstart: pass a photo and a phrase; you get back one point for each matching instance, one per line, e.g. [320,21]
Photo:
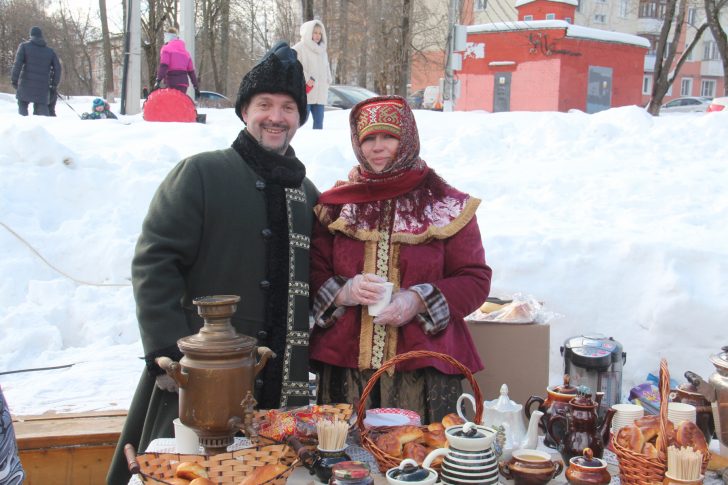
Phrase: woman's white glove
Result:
[403,308]
[166,383]
[362,289]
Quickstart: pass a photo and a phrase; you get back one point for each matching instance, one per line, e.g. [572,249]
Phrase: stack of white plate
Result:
[625,415]
[677,412]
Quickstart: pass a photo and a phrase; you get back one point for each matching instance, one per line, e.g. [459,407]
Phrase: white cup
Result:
[185,439]
[678,412]
[376,308]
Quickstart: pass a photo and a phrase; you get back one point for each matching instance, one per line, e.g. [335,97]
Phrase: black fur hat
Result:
[36,32]
[277,72]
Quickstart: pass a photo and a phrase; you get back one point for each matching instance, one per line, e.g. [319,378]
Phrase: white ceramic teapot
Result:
[509,414]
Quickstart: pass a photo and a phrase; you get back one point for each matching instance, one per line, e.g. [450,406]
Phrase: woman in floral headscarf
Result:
[394,220]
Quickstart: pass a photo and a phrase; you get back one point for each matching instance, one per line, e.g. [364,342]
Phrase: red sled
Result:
[169,104]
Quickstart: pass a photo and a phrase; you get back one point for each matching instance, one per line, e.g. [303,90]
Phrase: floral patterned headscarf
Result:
[386,114]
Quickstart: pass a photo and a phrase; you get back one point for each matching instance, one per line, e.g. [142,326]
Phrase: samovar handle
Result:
[265,353]
[173,370]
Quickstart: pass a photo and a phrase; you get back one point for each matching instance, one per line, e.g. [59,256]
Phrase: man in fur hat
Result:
[234,221]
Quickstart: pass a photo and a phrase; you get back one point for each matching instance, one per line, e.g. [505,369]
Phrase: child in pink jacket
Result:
[175,64]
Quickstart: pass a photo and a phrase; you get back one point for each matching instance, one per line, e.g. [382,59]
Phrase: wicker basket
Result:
[636,468]
[368,436]
[223,469]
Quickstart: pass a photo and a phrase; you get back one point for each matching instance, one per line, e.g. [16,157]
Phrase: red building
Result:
[542,62]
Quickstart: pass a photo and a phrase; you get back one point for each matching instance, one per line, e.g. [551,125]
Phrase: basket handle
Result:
[664,401]
[418,354]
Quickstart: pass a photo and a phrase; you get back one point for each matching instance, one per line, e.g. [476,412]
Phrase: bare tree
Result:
[16,18]
[73,35]
[307,8]
[158,15]
[712,15]
[665,52]
[108,91]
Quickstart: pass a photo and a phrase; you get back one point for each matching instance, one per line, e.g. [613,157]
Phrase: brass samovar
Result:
[216,375]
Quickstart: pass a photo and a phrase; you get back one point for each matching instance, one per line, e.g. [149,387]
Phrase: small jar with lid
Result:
[351,473]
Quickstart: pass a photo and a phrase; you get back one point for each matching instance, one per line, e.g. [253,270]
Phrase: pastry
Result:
[391,443]
[202,481]
[452,419]
[490,307]
[688,434]
[649,450]
[435,427]
[189,470]
[516,312]
[415,451]
[631,437]
[263,473]
[177,481]
[435,439]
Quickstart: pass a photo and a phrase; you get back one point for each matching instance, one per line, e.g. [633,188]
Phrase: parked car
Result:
[718,104]
[415,99]
[432,98]
[211,99]
[686,104]
[345,97]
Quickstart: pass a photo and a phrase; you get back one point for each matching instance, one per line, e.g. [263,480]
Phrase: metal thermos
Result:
[595,361]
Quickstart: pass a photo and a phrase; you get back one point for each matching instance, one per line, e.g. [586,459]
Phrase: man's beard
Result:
[281,149]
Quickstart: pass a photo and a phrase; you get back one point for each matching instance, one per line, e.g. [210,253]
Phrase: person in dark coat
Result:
[234,221]
[31,73]
[53,97]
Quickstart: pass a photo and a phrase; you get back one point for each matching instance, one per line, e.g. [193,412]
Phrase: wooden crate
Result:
[68,448]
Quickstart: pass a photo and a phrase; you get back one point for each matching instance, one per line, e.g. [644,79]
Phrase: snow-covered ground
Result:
[618,221]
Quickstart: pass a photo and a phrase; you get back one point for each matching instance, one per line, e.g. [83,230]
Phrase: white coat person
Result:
[312,55]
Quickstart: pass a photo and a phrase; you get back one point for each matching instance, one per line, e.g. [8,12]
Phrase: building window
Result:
[647,84]
[569,20]
[691,15]
[527,17]
[653,43]
[600,18]
[710,50]
[690,54]
[707,87]
[686,86]
[652,9]
[480,5]
[624,8]
[550,16]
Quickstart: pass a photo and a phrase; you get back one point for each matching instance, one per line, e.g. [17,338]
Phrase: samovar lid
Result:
[720,360]
[217,335]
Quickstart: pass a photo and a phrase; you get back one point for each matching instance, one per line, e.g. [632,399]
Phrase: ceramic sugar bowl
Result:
[409,472]
[587,470]
[530,467]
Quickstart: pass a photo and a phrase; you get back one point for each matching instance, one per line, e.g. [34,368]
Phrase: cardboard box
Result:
[517,355]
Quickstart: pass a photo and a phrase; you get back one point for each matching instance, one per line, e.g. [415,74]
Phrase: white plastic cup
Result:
[678,412]
[377,308]
[185,439]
